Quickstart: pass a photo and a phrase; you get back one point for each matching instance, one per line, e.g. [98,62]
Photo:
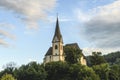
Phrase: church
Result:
[56,52]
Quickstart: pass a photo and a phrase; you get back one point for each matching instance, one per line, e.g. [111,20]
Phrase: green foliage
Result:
[9,68]
[72,55]
[102,70]
[7,77]
[57,71]
[31,71]
[113,58]
[65,71]
[80,72]
[96,59]
[114,73]
[69,70]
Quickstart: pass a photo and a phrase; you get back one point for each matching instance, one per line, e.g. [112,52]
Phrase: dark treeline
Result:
[113,58]
[99,67]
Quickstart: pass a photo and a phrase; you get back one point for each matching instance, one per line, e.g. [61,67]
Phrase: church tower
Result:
[56,53]
[57,44]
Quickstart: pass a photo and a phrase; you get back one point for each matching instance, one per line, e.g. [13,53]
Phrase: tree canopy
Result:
[72,54]
[96,59]
[7,77]
[99,70]
[113,58]
[65,71]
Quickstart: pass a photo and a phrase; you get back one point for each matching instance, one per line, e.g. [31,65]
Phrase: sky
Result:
[27,27]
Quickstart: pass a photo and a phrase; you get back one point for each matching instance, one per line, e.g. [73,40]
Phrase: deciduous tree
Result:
[72,55]
[7,77]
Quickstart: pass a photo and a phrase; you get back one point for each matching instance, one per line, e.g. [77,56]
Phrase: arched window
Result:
[56,47]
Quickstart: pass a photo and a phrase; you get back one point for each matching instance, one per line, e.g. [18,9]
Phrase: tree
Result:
[97,58]
[7,77]
[65,71]
[102,70]
[8,68]
[31,71]
[57,70]
[72,54]
[113,58]
[81,72]
[114,73]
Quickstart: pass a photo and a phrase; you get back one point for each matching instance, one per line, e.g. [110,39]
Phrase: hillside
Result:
[113,58]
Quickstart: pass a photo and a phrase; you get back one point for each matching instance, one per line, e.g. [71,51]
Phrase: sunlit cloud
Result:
[30,12]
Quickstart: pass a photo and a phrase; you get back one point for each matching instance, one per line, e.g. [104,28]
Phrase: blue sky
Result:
[27,28]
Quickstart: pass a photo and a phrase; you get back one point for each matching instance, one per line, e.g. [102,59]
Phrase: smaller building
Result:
[56,52]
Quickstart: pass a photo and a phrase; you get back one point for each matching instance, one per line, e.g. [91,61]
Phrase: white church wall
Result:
[47,59]
[55,58]
[83,61]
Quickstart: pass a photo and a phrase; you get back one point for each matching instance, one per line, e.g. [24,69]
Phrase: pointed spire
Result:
[57,32]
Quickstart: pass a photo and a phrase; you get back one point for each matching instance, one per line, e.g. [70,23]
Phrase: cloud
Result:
[5,34]
[30,12]
[3,42]
[7,25]
[82,16]
[31,60]
[103,28]
[88,51]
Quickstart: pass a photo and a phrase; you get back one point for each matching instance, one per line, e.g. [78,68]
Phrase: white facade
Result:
[83,61]
[47,59]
